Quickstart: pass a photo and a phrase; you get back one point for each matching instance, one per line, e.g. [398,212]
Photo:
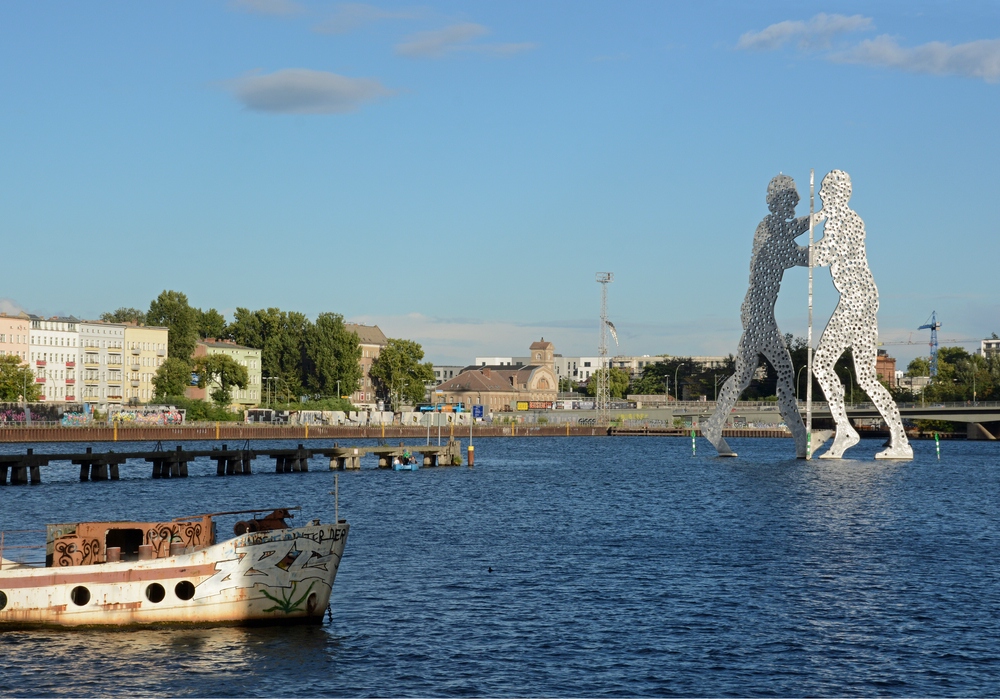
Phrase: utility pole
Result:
[604,371]
[809,337]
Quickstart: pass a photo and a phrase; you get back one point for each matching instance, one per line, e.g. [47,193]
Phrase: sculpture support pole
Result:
[809,335]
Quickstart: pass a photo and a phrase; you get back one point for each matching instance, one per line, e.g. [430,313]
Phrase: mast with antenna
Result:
[604,370]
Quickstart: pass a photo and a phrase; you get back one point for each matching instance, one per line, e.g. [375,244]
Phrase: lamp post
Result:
[666,389]
[677,386]
[798,375]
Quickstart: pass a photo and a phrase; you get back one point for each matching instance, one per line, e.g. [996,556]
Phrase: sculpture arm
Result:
[800,256]
[822,252]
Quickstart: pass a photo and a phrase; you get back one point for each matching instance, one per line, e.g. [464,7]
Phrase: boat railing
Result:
[22,549]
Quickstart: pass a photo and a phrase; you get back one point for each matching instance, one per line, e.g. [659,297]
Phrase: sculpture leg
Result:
[833,343]
[746,362]
[781,360]
[864,367]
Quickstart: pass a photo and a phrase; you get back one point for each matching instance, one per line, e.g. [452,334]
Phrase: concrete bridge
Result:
[982,419]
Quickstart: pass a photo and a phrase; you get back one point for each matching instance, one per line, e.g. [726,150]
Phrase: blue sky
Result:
[457,172]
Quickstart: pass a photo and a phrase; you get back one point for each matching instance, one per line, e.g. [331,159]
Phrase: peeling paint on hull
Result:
[273,577]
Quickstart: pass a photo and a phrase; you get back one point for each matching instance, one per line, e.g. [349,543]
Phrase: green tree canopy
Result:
[17,382]
[220,373]
[280,337]
[211,324]
[920,366]
[618,382]
[125,315]
[171,310]
[172,378]
[399,374]
[332,354]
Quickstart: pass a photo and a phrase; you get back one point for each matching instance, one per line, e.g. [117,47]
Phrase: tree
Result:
[398,374]
[332,355]
[567,385]
[211,324]
[125,315]
[172,378]
[618,381]
[171,310]
[17,382]
[280,337]
[220,373]
[920,366]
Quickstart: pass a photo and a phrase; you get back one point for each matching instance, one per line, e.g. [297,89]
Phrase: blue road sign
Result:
[477,411]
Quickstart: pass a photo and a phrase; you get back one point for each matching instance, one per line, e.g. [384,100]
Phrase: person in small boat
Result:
[407,457]
[395,461]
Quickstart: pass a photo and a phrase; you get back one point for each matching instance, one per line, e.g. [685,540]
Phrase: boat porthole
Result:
[80,595]
[155,593]
[3,600]
[184,590]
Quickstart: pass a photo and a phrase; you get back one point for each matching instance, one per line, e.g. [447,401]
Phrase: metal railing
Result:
[20,547]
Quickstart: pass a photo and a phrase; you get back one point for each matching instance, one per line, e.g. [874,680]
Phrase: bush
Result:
[202,411]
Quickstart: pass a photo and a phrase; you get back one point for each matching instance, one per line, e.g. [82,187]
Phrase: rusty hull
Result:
[279,576]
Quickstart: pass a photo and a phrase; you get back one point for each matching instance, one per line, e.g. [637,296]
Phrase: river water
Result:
[577,567]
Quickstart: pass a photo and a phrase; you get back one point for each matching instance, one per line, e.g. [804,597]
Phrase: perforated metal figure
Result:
[774,251]
[853,323]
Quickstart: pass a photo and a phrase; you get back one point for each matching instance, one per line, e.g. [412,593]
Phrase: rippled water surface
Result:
[620,566]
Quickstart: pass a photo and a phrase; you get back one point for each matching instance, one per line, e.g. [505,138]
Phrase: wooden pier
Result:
[25,469]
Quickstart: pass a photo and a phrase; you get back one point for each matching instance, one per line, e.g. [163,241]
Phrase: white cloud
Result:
[456,38]
[974,59]
[267,7]
[352,15]
[302,91]
[815,33]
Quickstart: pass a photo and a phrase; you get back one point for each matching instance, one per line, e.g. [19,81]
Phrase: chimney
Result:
[486,372]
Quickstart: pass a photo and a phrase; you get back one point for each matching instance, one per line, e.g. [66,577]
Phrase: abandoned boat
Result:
[137,573]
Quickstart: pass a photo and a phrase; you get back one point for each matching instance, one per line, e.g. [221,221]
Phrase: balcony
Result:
[114,350]
[136,367]
[91,344]
[40,362]
[70,365]
[40,379]
[70,382]
[136,351]
[69,398]
[116,399]
[135,384]
[91,380]
[161,353]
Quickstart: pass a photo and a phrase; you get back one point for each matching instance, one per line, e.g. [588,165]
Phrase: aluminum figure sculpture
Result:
[774,251]
[853,324]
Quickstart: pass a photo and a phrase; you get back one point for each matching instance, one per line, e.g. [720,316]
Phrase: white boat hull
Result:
[280,576]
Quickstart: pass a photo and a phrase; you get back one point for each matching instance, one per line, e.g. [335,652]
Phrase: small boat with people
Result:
[175,572]
[406,462]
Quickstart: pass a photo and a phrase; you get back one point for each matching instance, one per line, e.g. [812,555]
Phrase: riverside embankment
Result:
[242,431]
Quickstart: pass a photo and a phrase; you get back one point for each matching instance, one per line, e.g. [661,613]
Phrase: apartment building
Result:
[240,398]
[54,353]
[14,336]
[372,340]
[145,351]
[102,355]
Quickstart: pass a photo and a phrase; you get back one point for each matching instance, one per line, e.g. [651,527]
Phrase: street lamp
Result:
[797,377]
[677,386]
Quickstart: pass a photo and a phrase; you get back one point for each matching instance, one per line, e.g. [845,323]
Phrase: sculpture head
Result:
[836,189]
[781,196]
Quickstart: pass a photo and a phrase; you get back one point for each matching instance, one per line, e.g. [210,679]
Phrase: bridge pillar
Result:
[977,430]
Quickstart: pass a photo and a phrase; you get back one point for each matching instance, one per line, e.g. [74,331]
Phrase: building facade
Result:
[145,352]
[54,353]
[100,376]
[502,388]
[249,357]
[986,347]
[372,340]
[15,334]
[885,368]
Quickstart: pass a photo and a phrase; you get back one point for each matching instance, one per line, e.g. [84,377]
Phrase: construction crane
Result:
[933,326]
